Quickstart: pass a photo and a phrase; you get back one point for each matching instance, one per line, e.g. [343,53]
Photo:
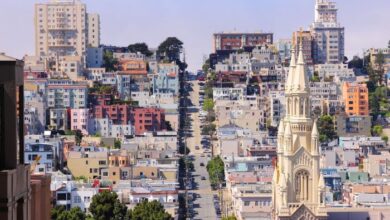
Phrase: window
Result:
[77,199]
[49,156]
[114,173]
[102,162]
[247,203]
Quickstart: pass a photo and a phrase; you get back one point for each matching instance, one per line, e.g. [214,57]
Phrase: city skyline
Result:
[138,25]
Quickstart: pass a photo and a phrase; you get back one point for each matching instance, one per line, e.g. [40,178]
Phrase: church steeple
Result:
[291,70]
[298,179]
[301,81]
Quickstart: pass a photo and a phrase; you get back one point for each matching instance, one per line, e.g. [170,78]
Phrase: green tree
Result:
[106,205]
[355,63]
[230,217]
[56,211]
[377,130]
[59,213]
[145,210]
[380,61]
[206,66]
[170,50]
[326,128]
[208,129]
[315,77]
[141,48]
[78,137]
[110,62]
[117,144]
[216,169]
[385,138]
[208,105]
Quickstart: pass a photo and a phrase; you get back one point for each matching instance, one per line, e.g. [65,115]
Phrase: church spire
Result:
[300,79]
[291,70]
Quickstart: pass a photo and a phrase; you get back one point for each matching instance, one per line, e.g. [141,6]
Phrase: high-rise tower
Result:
[328,46]
[298,186]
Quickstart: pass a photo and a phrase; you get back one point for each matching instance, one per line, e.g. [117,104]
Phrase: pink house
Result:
[79,119]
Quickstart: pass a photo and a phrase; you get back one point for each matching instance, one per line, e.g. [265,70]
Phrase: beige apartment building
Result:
[64,29]
[87,161]
[242,113]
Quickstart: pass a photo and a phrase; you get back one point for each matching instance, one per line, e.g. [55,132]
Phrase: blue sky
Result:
[193,21]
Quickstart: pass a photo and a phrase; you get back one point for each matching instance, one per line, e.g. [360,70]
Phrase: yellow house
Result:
[87,161]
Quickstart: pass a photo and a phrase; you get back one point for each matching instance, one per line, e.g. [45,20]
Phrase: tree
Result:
[355,63]
[109,61]
[377,130]
[230,217]
[106,205]
[208,129]
[385,138]
[75,213]
[170,50]
[148,211]
[315,77]
[380,61]
[326,128]
[216,169]
[117,144]
[140,48]
[208,105]
[78,137]
[206,66]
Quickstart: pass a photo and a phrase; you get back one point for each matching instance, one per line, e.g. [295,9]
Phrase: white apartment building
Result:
[228,93]
[106,128]
[327,33]
[66,93]
[325,96]
[335,71]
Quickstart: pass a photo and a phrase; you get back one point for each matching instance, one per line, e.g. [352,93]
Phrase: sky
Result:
[194,21]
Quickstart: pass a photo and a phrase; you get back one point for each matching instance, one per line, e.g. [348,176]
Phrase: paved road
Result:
[203,204]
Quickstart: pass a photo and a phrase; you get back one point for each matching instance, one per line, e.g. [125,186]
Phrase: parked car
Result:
[197,147]
[201,164]
[203,178]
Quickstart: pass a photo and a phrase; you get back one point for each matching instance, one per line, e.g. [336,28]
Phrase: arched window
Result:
[302,185]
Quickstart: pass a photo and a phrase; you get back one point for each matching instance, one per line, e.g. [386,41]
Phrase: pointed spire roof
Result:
[291,70]
[321,182]
[287,130]
[300,79]
[281,128]
[314,132]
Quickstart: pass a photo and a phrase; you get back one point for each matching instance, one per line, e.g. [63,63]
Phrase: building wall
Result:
[40,197]
[94,57]
[306,38]
[348,126]
[79,120]
[67,93]
[87,166]
[355,99]
[55,35]
[58,119]
[147,119]
[235,41]
[93,24]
